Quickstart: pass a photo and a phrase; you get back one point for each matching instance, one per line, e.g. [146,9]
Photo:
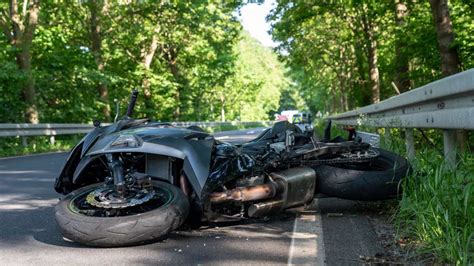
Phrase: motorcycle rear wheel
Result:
[378,179]
[132,228]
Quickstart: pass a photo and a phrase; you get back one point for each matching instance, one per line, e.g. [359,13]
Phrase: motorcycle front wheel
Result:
[136,224]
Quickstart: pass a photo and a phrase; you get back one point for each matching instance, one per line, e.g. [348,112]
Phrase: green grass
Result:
[13,146]
[437,208]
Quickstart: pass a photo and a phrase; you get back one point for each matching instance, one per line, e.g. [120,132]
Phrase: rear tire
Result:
[122,230]
[376,180]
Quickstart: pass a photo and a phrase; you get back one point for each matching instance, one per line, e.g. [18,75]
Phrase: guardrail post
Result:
[449,137]
[461,139]
[410,143]
[52,140]
[24,141]
[387,135]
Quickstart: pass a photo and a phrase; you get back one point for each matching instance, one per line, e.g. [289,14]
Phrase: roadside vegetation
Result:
[190,60]
[436,211]
[435,215]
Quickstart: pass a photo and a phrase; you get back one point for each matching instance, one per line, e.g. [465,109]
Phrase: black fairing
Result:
[228,163]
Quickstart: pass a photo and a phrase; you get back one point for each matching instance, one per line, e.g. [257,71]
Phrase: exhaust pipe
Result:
[287,188]
[241,194]
[263,208]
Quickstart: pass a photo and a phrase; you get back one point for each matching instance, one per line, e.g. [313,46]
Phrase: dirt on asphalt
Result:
[398,248]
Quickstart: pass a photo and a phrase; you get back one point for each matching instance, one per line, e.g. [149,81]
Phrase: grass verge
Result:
[437,208]
[435,214]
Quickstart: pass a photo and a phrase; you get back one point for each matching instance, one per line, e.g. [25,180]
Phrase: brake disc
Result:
[107,198]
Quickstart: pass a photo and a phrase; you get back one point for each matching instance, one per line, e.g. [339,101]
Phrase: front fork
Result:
[116,167]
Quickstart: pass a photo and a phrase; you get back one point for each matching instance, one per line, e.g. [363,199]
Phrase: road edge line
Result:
[309,226]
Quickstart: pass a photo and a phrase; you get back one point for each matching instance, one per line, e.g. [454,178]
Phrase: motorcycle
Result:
[135,181]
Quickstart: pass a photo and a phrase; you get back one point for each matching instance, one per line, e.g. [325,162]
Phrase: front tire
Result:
[125,230]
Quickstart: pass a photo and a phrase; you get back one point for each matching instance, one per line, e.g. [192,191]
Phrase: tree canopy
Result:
[346,54]
[67,61]
[190,60]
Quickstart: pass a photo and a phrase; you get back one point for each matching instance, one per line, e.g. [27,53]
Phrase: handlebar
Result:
[131,104]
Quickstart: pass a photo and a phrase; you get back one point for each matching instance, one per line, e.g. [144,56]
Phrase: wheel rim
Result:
[79,203]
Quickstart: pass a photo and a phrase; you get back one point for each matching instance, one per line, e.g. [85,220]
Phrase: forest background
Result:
[67,60]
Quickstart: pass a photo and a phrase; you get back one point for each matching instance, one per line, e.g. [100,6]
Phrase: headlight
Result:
[126,141]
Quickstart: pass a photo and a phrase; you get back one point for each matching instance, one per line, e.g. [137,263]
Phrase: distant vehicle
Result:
[299,118]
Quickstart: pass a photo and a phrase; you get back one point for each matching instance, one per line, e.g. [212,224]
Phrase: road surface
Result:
[28,234]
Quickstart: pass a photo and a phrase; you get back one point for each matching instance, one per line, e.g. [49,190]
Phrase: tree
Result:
[370,29]
[449,56]
[402,79]
[98,10]
[19,25]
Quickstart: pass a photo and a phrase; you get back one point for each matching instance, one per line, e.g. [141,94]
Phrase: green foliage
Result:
[437,207]
[436,210]
[202,65]
[14,146]
[255,89]
[325,46]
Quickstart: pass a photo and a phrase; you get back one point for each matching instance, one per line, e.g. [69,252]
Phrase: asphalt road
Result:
[28,234]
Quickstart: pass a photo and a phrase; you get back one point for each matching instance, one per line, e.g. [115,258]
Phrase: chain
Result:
[368,156]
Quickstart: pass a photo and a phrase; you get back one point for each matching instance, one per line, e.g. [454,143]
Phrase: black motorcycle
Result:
[135,181]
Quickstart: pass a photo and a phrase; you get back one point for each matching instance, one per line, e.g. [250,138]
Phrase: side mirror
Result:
[131,104]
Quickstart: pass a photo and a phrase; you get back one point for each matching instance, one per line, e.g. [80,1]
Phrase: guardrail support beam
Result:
[410,143]
[387,135]
[449,138]
[24,141]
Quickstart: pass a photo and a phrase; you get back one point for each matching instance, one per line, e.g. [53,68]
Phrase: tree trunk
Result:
[96,48]
[19,31]
[171,56]
[342,92]
[402,79]
[449,55]
[23,59]
[177,96]
[369,30]
[148,54]
[222,108]
[444,29]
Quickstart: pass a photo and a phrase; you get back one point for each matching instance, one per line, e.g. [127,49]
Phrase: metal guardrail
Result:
[446,104]
[12,130]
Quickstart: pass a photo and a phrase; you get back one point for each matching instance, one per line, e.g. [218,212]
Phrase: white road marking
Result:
[307,246]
